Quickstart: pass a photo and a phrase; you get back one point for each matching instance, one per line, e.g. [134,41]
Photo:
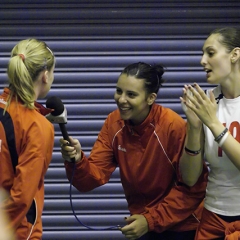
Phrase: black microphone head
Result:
[56,104]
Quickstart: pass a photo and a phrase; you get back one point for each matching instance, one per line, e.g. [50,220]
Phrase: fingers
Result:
[68,153]
[65,142]
[128,232]
[212,97]
[195,97]
[68,149]
[199,93]
[186,93]
[137,226]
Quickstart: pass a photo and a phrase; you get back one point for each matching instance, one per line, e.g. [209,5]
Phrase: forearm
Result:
[232,149]
[177,206]
[191,164]
[15,213]
[88,175]
[18,202]
[26,184]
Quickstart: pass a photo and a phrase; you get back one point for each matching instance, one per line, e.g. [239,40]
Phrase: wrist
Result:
[78,158]
[216,127]
[194,129]
[222,135]
[192,152]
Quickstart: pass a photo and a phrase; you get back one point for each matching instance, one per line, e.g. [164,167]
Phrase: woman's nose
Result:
[203,61]
[122,99]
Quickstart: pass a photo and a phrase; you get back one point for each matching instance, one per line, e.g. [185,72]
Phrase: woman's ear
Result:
[235,55]
[45,76]
[151,98]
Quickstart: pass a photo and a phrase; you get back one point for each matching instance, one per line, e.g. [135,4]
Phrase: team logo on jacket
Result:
[121,148]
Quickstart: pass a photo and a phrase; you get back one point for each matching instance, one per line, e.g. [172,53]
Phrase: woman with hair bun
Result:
[26,137]
[145,141]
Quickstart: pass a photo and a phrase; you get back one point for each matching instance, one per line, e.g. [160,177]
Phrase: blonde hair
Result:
[28,58]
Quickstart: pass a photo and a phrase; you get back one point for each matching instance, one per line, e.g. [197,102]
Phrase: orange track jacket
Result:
[34,140]
[148,157]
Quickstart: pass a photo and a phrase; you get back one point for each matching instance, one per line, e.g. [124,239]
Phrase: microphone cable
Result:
[59,116]
[79,221]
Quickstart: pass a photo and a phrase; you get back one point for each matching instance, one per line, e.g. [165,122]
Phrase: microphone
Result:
[58,115]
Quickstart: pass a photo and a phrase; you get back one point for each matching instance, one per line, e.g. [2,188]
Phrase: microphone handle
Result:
[65,135]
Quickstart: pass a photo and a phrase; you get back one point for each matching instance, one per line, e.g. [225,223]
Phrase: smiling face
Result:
[132,99]
[216,60]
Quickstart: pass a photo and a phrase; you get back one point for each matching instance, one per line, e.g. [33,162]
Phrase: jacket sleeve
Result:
[96,170]
[177,206]
[29,174]
[181,201]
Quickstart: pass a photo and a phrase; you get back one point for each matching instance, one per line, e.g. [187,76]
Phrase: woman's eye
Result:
[211,54]
[131,95]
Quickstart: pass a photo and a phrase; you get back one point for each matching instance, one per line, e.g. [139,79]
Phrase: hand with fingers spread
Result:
[137,226]
[204,107]
[70,150]
[192,118]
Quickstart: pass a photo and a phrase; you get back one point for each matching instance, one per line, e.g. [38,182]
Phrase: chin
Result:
[124,117]
[41,96]
[212,81]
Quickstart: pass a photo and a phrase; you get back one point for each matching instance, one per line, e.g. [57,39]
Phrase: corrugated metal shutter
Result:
[93,41]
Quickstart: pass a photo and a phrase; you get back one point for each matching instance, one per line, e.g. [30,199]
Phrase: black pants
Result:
[169,235]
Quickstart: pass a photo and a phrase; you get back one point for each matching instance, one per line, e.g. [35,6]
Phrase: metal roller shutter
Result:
[93,41]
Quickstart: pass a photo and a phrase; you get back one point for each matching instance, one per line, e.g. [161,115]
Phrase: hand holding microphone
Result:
[59,115]
[71,151]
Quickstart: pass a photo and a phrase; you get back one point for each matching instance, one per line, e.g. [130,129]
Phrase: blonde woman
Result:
[26,136]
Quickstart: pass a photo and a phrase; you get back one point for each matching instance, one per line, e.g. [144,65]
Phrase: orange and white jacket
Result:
[148,157]
[34,140]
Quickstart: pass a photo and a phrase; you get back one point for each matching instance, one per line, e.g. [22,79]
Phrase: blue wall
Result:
[93,41]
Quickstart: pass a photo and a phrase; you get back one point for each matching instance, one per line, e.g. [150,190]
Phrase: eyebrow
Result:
[128,91]
[207,48]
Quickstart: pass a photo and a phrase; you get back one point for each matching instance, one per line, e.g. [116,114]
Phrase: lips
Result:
[207,72]
[124,109]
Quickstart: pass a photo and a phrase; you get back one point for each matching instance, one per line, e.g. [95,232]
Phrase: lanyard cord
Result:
[88,227]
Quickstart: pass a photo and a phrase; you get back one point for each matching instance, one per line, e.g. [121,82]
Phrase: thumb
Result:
[129,219]
[72,141]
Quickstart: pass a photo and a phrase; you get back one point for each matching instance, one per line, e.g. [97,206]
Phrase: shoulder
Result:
[113,118]
[112,124]
[168,122]
[28,119]
[167,115]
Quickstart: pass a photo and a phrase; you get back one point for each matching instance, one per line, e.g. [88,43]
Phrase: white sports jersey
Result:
[223,189]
